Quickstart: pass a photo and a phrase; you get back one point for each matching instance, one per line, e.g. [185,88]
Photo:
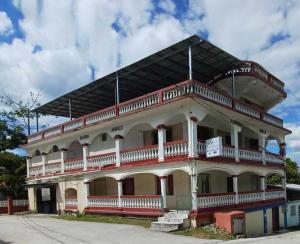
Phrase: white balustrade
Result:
[247,109]
[250,197]
[36,170]
[228,152]
[71,202]
[143,102]
[74,164]
[274,194]
[141,202]
[201,147]
[212,95]
[3,204]
[209,201]
[108,201]
[139,154]
[53,168]
[176,148]
[52,131]
[178,91]
[20,202]
[35,137]
[101,160]
[273,158]
[73,125]
[250,155]
[272,120]
[100,116]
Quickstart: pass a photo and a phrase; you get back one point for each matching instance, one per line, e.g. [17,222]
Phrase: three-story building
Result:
[136,141]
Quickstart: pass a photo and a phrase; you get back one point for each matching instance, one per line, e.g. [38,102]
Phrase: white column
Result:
[118,146]
[192,140]
[63,157]
[194,192]
[235,188]
[28,165]
[44,160]
[161,134]
[262,145]
[85,148]
[163,190]
[263,186]
[120,193]
[86,193]
[235,129]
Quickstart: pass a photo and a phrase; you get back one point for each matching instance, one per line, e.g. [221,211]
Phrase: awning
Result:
[159,70]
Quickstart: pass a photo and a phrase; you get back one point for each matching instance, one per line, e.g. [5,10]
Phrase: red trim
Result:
[141,196]
[126,211]
[100,155]
[139,148]
[101,197]
[215,194]
[175,142]
[70,160]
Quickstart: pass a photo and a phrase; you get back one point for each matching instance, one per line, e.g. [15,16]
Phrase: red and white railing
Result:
[103,201]
[246,197]
[36,170]
[251,155]
[53,168]
[144,201]
[191,88]
[273,158]
[101,160]
[274,194]
[20,202]
[176,148]
[215,200]
[3,204]
[201,148]
[72,164]
[71,203]
[228,152]
[143,153]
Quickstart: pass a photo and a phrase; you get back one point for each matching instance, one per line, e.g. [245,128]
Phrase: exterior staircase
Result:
[173,220]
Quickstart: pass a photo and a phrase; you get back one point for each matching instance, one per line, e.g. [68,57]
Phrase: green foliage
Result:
[292,175]
[12,174]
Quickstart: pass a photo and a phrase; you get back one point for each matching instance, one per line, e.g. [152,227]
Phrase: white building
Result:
[135,143]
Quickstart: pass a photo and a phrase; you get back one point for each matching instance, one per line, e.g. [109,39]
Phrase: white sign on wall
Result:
[214,147]
[46,194]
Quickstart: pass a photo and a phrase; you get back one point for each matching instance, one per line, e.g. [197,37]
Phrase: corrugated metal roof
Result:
[159,70]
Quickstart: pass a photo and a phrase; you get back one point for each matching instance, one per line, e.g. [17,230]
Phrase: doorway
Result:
[46,199]
[275,218]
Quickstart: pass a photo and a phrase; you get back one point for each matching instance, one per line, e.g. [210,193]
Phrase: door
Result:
[128,186]
[275,218]
[229,184]
[46,199]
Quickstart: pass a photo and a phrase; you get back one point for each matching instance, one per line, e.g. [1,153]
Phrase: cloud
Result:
[6,27]
[168,6]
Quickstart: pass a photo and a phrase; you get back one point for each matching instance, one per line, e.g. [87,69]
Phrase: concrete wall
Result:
[248,182]
[293,220]
[32,199]
[104,187]
[269,221]
[145,184]
[98,146]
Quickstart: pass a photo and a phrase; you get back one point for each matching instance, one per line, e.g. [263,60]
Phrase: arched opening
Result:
[37,152]
[101,144]
[273,181]
[140,135]
[54,149]
[104,186]
[71,202]
[272,145]
[248,182]
[75,150]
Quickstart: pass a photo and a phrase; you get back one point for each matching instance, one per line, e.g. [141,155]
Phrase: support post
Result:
[118,147]
[194,192]
[117,89]
[37,122]
[10,205]
[263,186]
[232,84]
[235,129]
[85,148]
[87,194]
[161,134]
[28,165]
[120,193]
[63,157]
[70,108]
[262,144]
[192,134]
[44,160]
[163,190]
[235,188]
[190,64]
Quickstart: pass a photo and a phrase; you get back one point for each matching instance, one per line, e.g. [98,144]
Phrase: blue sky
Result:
[46,43]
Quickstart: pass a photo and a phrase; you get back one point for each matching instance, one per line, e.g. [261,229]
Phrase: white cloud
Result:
[6,26]
[168,6]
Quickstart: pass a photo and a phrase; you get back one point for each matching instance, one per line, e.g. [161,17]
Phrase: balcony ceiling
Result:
[159,70]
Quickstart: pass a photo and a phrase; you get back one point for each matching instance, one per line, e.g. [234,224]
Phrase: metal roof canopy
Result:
[159,70]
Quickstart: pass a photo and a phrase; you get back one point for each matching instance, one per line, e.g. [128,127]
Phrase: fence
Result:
[11,206]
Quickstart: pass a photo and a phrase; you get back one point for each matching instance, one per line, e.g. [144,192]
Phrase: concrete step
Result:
[165,226]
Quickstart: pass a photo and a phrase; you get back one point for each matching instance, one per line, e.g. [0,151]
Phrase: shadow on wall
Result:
[4,242]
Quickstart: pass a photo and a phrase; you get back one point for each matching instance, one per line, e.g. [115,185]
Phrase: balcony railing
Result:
[74,164]
[131,202]
[101,160]
[211,200]
[180,90]
[138,154]
[176,148]
[71,203]
[53,168]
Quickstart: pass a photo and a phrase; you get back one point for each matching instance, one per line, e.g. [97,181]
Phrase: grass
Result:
[206,232]
[146,223]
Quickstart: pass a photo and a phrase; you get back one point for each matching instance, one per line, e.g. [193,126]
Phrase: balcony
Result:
[175,150]
[170,94]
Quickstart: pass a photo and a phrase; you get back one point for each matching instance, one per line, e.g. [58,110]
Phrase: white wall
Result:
[101,147]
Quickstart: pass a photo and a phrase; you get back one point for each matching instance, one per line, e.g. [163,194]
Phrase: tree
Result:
[292,174]
[12,177]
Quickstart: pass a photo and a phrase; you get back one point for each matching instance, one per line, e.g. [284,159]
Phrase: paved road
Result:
[40,229]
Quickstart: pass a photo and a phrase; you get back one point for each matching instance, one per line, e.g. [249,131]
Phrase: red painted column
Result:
[10,210]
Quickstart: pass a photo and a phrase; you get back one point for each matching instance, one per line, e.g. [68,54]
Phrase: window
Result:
[104,137]
[55,148]
[293,210]
[204,133]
